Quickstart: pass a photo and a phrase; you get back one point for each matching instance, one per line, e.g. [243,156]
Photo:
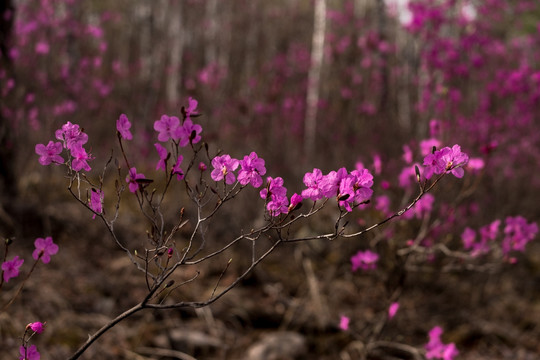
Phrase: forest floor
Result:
[289,308]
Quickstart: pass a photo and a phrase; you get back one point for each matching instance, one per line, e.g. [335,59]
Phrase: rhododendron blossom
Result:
[176,170]
[344,322]
[252,167]
[37,327]
[189,133]
[11,268]
[163,156]
[392,309]
[517,233]
[365,260]
[96,201]
[44,249]
[29,353]
[168,128]
[224,166]
[435,349]
[446,159]
[132,178]
[123,125]
[49,153]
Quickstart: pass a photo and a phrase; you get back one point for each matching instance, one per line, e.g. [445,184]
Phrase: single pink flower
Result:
[344,323]
[132,178]
[177,170]
[392,310]
[163,156]
[44,249]
[30,353]
[123,125]
[37,326]
[50,153]
[11,268]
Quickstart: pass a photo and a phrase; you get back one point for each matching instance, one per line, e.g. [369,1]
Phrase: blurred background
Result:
[304,83]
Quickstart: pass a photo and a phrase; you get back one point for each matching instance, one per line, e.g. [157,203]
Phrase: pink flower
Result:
[446,159]
[517,233]
[72,136]
[392,310]
[44,249]
[176,168]
[435,349]
[344,323]
[202,166]
[29,354]
[192,107]
[123,125]
[132,178]
[295,201]
[365,260]
[276,196]
[168,128]
[189,133]
[252,167]
[312,180]
[50,153]
[37,326]
[96,201]
[11,268]
[163,156]
[224,166]
[80,159]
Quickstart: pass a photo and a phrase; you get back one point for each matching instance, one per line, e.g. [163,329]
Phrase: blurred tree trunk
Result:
[210,33]
[176,41]
[314,76]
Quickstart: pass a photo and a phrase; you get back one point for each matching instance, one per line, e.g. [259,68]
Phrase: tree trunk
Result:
[314,76]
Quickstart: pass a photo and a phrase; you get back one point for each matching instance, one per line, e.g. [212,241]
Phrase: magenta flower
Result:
[329,184]
[72,136]
[392,310]
[11,268]
[355,188]
[444,160]
[50,153]
[435,349]
[312,180]
[274,187]
[80,159]
[202,166]
[176,170]
[469,238]
[29,354]
[295,201]
[224,166]
[123,125]
[168,128]
[517,233]
[454,160]
[192,107]
[163,156]
[132,178]
[37,327]
[44,249]
[252,167]
[365,260]
[421,208]
[344,323]
[96,201]
[189,133]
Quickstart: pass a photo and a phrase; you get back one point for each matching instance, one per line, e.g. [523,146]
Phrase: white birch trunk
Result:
[314,76]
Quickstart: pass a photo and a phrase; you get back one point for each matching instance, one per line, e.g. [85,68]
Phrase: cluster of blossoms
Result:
[30,352]
[72,138]
[349,188]
[44,249]
[365,260]
[517,233]
[435,349]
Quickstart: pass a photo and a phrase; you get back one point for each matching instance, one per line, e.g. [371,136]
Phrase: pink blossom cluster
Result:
[446,160]
[72,137]
[436,349]
[365,260]
[44,248]
[349,188]
[517,234]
